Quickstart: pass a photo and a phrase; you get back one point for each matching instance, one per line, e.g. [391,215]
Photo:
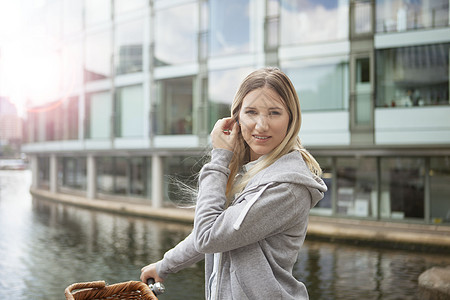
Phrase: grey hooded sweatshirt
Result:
[258,236]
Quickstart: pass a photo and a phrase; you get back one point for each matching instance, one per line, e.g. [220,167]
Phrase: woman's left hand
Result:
[148,272]
[224,134]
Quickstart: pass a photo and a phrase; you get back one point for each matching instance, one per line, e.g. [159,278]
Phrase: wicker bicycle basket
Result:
[99,290]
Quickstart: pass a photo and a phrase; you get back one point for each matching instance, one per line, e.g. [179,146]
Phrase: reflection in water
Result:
[99,246]
[45,246]
[337,271]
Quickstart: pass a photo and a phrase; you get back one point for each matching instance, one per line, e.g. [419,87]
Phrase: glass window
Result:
[404,15]
[363,96]
[413,76]
[313,21]
[121,179]
[175,106]
[123,6]
[272,33]
[321,87]
[272,23]
[98,124]
[402,188]
[73,16]
[181,172]
[122,176]
[43,172]
[440,192]
[71,118]
[129,39]
[105,175]
[74,172]
[356,187]
[324,207]
[222,86]
[362,17]
[129,112]
[51,121]
[229,27]
[203,31]
[32,126]
[98,56]
[41,126]
[72,76]
[57,114]
[97,11]
[138,176]
[35,125]
[27,132]
[273,8]
[176,34]
[362,70]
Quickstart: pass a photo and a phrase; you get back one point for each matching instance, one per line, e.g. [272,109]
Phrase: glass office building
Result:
[144,82]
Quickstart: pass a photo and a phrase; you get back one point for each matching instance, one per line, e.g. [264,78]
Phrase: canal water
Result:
[46,246]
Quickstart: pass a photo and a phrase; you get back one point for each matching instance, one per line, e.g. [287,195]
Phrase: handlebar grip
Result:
[157,288]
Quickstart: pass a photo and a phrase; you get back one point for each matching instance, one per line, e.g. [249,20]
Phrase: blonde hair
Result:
[276,80]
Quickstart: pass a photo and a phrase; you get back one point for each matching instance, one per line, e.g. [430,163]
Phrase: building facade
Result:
[10,128]
[144,81]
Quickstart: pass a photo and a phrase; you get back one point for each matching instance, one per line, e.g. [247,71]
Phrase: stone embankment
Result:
[413,236]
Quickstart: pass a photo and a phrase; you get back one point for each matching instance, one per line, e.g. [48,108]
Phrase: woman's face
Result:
[264,121]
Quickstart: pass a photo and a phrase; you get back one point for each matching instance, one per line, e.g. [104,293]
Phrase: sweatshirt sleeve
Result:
[185,253]
[181,256]
[277,209]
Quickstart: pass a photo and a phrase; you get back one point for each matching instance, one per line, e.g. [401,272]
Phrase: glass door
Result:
[361,96]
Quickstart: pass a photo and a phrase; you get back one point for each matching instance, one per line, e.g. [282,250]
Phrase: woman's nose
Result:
[262,123]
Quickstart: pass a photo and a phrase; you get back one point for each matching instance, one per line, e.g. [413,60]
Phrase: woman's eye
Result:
[250,112]
[274,113]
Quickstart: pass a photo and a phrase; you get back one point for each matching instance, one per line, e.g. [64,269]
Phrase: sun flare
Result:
[30,63]
[32,72]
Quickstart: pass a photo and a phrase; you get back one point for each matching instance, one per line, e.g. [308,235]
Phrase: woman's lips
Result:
[261,137]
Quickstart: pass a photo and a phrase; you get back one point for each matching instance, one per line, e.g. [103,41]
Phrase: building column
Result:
[157,181]
[34,163]
[149,182]
[91,177]
[53,173]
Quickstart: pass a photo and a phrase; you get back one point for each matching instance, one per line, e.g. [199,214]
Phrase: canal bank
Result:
[411,236]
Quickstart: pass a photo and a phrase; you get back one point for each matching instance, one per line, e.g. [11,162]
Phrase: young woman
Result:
[254,198]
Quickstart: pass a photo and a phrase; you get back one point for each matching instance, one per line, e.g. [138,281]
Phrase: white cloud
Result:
[314,23]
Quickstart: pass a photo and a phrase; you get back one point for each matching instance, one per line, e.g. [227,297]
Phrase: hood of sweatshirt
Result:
[290,168]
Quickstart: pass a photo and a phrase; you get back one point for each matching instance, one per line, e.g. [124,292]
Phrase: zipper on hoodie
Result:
[218,272]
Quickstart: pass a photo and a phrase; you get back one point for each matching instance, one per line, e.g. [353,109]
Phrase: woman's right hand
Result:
[149,271]
[224,134]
